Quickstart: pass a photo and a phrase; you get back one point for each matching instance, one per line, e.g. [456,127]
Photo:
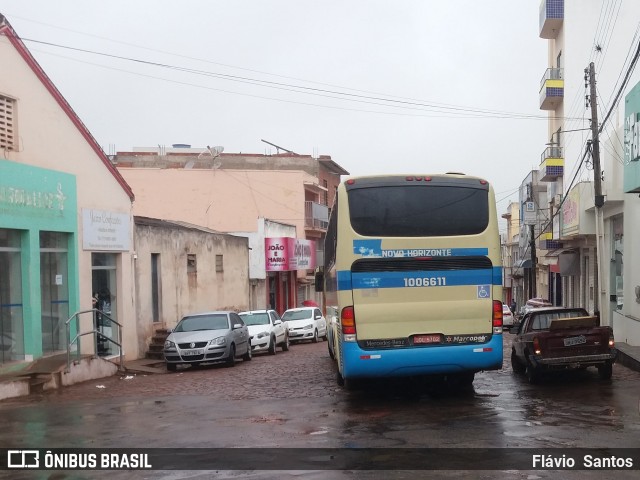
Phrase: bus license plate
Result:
[575,340]
[190,353]
[422,339]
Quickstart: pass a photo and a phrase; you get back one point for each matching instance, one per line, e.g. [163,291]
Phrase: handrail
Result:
[95,333]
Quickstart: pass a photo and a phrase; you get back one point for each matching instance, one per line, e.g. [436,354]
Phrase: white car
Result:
[267,330]
[507,317]
[305,323]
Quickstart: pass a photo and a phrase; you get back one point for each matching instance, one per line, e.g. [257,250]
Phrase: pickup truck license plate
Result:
[580,339]
[190,353]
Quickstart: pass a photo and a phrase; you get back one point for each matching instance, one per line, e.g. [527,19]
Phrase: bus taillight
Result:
[348,320]
[497,315]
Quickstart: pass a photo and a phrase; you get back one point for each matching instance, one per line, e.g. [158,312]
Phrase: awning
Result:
[526,263]
[559,251]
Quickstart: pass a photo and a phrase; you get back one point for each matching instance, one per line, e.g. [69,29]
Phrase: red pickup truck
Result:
[560,338]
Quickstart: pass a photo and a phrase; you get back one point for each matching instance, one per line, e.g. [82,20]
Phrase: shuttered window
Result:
[7,123]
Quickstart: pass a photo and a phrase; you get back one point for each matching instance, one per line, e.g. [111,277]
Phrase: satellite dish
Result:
[215,151]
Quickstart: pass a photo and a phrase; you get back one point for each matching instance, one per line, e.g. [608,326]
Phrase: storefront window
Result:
[11,316]
[618,253]
[54,287]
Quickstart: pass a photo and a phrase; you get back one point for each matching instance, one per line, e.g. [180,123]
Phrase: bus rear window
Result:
[418,211]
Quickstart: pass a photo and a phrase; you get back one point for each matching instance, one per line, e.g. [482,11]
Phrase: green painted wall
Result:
[32,200]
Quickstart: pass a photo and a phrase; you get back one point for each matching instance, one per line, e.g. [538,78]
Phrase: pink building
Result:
[280,202]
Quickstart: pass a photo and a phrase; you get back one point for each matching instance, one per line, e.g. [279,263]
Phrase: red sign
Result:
[283,254]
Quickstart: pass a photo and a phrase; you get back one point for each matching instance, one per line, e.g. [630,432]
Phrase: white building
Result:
[604,34]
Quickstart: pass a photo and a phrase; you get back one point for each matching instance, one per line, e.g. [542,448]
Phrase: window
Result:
[325,194]
[219,265]
[192,264]
[7,124]
[416,211]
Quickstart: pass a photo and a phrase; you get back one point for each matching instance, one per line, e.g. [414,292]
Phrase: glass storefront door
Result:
[11,316]
[54,287]
[104,285]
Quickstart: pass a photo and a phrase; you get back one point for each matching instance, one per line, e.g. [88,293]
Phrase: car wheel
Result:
[231,361]
[516,366]
[272,345]
[315,336]
[249,355]
[172,367]
[605,371]
[286,344]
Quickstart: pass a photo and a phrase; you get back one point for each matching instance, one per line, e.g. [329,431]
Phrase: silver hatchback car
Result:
[207,337]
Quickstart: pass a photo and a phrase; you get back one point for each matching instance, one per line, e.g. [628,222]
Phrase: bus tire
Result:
[339,379]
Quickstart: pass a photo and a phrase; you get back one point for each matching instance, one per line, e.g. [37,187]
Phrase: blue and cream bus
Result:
[412,277]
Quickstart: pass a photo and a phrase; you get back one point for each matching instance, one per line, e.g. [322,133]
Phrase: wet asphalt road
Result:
[292,400]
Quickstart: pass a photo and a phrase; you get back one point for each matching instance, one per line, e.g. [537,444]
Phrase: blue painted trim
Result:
[373,248]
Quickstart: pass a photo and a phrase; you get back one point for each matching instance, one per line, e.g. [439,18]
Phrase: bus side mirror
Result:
[319,281]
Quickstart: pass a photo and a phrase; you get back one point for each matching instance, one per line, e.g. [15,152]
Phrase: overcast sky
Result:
[406,86]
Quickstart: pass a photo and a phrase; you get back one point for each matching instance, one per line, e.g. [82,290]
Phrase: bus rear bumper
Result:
[431,360]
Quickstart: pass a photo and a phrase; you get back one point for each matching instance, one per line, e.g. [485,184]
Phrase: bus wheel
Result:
[465,379]
[339,379]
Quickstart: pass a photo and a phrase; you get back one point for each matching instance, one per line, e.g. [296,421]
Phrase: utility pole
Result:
[597,180]
[595,144]
[532,272]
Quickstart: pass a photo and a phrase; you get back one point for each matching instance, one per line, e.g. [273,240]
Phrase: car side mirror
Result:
[237,326]
[278,322]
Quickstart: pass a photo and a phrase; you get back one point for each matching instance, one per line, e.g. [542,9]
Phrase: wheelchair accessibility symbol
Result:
[484,291]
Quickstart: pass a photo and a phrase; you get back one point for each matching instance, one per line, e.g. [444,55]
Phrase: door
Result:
[54,288]
[104,285]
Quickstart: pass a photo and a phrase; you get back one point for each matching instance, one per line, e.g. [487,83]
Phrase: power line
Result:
[389,101]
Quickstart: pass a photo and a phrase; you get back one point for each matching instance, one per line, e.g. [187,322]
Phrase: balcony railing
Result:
[551,164]
[551,89]
[316,216]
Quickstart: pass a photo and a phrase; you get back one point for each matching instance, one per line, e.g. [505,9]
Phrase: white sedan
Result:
[305,323]
[507,317]
[267,331]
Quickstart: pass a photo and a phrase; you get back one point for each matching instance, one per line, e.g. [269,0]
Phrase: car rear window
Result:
[296,315]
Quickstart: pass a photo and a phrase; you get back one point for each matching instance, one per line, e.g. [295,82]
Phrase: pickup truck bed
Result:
[560,338]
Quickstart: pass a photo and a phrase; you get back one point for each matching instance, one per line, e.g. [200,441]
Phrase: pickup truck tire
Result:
[516,365]
[605,371]
[532,373]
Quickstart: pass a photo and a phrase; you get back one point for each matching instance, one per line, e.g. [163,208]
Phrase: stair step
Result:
[155,355]
[156,348]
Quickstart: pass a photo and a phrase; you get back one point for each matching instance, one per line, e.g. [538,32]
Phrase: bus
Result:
[412,278]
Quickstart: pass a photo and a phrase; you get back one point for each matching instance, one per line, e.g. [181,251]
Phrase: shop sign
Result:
[283,254]
[102,230]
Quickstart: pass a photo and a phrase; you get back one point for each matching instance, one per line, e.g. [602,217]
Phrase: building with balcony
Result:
[281,203]
[590,258]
